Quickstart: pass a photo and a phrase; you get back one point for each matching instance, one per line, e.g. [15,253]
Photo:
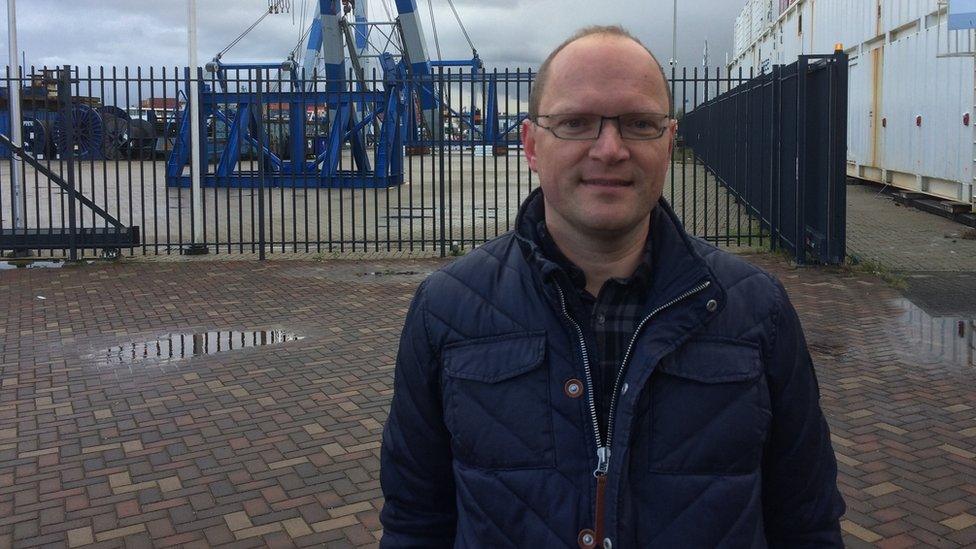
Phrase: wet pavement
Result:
[277,445]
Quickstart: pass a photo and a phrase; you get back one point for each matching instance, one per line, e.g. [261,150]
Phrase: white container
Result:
[743,28]
[907,104]
[761,11]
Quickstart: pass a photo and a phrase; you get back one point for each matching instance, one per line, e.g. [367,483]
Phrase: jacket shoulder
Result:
[477,268]
[733,272]
[486,292]
[754,298]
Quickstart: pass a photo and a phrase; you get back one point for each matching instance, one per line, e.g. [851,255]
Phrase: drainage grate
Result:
[404,212]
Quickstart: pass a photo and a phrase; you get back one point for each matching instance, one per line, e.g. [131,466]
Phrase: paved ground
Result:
[903,238]
[278,445]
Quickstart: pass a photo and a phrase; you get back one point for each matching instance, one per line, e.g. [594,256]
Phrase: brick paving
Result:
[902,238]
[278,445]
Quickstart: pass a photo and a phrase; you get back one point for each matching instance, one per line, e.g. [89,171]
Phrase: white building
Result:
[912,87]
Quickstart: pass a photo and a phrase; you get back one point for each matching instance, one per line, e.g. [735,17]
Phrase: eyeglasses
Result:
[636,126]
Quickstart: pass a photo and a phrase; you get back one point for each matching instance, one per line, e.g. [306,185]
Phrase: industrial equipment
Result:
[311,112]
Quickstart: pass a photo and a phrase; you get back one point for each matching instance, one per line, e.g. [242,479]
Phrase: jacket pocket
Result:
[709,409]
[496,402]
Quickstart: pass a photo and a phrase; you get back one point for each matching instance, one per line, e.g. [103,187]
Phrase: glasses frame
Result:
[603,119]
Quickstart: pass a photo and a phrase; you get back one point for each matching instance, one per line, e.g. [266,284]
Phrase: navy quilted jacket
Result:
[718,439]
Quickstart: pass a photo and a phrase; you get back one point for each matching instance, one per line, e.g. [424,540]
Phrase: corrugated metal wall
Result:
[937,90]
[896,75]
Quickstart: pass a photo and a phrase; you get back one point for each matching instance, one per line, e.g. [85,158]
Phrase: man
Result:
[597,377]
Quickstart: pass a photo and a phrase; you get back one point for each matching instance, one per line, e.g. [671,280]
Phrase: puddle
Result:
[27,264]
[393,273]
[181,345]
[951,339]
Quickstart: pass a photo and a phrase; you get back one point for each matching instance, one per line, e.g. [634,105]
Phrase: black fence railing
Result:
[383,163]
[778,144]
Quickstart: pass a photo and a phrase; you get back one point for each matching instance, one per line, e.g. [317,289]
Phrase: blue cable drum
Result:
[87,133]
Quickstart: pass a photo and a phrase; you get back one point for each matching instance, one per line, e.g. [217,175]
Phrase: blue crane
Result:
[401,109]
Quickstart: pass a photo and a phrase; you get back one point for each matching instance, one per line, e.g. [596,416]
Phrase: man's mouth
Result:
[600,182]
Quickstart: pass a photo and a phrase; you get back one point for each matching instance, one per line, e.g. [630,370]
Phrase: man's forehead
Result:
[608,50]
[597,64]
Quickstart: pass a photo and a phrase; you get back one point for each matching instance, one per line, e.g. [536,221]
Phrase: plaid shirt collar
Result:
[640,278]
[549,252]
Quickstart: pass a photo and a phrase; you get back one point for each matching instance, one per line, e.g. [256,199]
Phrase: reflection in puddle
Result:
[392,273]
[947,338]
[29,264]
[178,346]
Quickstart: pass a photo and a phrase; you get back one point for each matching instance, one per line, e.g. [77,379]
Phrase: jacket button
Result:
[573,388]
[711,305]
[607,544]
[586,539]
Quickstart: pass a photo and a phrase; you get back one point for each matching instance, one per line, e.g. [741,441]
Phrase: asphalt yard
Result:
[209,403]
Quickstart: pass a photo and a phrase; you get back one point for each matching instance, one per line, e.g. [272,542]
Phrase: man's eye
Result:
[644,124]
[574,123]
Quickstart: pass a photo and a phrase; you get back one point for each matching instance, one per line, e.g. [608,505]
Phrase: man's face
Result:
[606,187]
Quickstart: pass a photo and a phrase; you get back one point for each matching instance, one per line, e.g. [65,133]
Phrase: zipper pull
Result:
[603,461]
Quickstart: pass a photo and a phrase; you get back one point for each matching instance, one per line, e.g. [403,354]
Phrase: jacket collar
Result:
[675,264]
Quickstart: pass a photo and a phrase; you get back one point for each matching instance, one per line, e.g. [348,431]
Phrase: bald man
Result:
[597,377]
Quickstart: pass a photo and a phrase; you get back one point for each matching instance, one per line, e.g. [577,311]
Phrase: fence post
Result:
[837,161]
[64,97]
[776,133]
[256,108]
[800,243]
[441,174]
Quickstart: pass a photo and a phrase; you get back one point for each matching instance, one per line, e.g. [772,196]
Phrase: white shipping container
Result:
[739,37]
[760,16]
[743,27]
[910,107]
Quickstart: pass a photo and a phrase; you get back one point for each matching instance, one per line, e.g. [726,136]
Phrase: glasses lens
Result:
[642,125]
[575,126]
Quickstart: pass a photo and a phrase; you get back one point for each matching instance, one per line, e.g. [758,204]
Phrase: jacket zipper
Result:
[603,450]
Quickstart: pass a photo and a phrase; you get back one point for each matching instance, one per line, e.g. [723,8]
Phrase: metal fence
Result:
[371,171]
[778,143]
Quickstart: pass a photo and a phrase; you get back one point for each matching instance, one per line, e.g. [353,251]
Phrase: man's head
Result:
[542,74]
[603,187]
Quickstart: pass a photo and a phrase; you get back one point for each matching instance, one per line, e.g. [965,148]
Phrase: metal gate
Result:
[68,236]
[778,143]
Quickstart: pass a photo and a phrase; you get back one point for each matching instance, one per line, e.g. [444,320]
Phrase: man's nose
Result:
[609,146]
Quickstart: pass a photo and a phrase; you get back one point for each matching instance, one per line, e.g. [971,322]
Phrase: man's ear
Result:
[672,132]
[528,142]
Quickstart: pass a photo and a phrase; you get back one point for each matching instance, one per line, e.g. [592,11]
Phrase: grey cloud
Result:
[507,33]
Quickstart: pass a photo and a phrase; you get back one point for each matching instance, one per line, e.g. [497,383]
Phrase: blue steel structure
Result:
[406,112]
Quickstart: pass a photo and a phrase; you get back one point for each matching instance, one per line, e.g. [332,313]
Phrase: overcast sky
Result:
[506,33]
